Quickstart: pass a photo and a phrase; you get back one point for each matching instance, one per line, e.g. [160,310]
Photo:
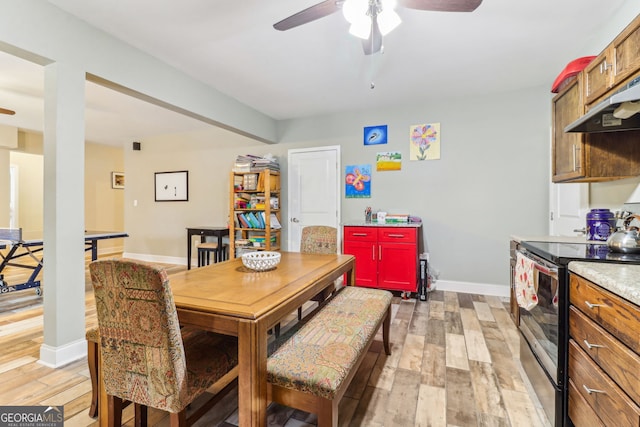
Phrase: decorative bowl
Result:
[261,261]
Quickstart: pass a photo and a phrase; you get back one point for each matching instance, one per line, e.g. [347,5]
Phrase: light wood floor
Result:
[454,362]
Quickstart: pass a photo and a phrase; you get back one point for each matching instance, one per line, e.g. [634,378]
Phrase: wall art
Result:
[389,161]
[375,135]
[172,186]
[424,142]
[357,181]
[117,179]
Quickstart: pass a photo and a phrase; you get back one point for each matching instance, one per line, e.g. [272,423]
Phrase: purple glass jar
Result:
[600,224]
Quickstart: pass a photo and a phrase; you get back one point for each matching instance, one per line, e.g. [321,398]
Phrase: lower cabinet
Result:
[386,257]
[604,360]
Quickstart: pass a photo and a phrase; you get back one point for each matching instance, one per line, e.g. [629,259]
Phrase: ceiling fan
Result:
[371,19]
[5,111]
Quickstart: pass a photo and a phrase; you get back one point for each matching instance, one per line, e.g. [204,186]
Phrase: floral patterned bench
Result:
[312,369]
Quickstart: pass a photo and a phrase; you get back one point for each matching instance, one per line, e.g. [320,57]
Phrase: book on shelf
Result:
[243,220]
[274,221]
[253,221]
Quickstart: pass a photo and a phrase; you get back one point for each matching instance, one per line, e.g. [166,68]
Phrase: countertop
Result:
[621,279]
[380,224]
[559,239]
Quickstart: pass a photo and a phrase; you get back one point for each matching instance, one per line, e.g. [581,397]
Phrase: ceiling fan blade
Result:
[374,43]
[5,111]
[310,14]
[442,5]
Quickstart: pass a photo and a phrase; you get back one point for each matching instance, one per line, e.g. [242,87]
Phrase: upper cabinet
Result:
[597,77]
[618,62]
[568,148]
[590,157]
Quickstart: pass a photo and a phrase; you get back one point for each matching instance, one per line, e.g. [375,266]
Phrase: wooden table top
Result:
[231,289]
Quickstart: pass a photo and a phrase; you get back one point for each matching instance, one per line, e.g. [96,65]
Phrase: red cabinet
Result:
[386,257]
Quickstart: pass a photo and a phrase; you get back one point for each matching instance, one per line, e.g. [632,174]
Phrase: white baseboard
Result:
[158,258]
[472,288]
[56,357]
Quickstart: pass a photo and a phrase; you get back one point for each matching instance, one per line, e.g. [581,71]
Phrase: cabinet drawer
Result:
[616,315]
[600,392]
[397,234]
[580,412]
[363,234]
[620,363]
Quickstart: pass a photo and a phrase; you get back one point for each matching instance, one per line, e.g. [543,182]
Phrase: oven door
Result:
[540,325]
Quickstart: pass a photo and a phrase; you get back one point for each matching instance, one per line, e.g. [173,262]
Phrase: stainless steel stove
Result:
[545,328]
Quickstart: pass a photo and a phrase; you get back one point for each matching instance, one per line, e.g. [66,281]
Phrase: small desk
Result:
[228,298]
[203,231]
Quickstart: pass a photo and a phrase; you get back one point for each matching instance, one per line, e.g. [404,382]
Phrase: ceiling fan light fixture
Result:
[361,28]
[354,10]
[388,19]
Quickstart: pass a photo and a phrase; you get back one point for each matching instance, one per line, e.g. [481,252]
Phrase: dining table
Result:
[229,298]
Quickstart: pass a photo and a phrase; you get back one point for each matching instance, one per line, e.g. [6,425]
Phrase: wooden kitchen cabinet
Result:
[582,157]
[386,257]
[625,50]
[619,61]
[604,359]
[598,76]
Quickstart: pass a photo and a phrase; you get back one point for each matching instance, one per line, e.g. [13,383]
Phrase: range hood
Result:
[617,113]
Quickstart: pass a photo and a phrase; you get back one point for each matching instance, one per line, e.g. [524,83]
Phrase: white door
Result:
[569,205]
[313,191]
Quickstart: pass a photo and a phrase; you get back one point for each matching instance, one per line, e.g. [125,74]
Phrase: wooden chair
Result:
[318,239]
[146,358]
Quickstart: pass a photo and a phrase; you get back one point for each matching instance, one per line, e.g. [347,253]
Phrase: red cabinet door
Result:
[397,267]
[361,243]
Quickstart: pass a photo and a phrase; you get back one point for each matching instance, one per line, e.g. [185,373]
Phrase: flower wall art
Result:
[424,142]
[357,181]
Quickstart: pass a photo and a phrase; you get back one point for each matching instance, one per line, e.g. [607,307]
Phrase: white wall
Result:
[491,181]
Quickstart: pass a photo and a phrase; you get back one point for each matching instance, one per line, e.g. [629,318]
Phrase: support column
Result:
[5,187]
[64,268]
[8,140]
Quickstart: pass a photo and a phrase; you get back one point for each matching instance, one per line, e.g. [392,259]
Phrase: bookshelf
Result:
[254,219]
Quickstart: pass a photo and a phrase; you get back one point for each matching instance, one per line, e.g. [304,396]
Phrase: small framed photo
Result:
[172,186]
[117,179]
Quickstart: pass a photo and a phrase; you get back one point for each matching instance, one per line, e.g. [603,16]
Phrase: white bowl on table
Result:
[261,260]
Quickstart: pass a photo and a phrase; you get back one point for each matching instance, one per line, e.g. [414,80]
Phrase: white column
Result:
[64,269]
[5,189]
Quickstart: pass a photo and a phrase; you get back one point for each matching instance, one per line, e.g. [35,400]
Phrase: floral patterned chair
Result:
[146,358]
[318,239]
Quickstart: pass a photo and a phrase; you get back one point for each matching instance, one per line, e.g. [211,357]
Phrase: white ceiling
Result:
[317,68]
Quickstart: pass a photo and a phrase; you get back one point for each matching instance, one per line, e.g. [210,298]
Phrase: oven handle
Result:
[540,264]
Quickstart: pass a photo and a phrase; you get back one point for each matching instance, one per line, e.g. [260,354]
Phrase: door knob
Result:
[295,220]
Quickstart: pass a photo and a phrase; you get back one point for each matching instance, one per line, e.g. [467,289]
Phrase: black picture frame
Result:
[171,186]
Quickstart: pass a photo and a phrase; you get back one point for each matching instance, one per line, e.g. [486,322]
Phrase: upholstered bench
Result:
[312,369]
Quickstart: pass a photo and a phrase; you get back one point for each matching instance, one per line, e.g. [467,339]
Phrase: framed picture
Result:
[117,179]
[374,135]
[172,186]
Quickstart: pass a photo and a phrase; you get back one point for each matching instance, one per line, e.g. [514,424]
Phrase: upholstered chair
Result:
[318,239]
[146,358]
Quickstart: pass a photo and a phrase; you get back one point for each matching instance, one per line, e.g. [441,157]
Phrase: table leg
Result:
[94,250]
[220,249]
[252,375]
[189,243]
